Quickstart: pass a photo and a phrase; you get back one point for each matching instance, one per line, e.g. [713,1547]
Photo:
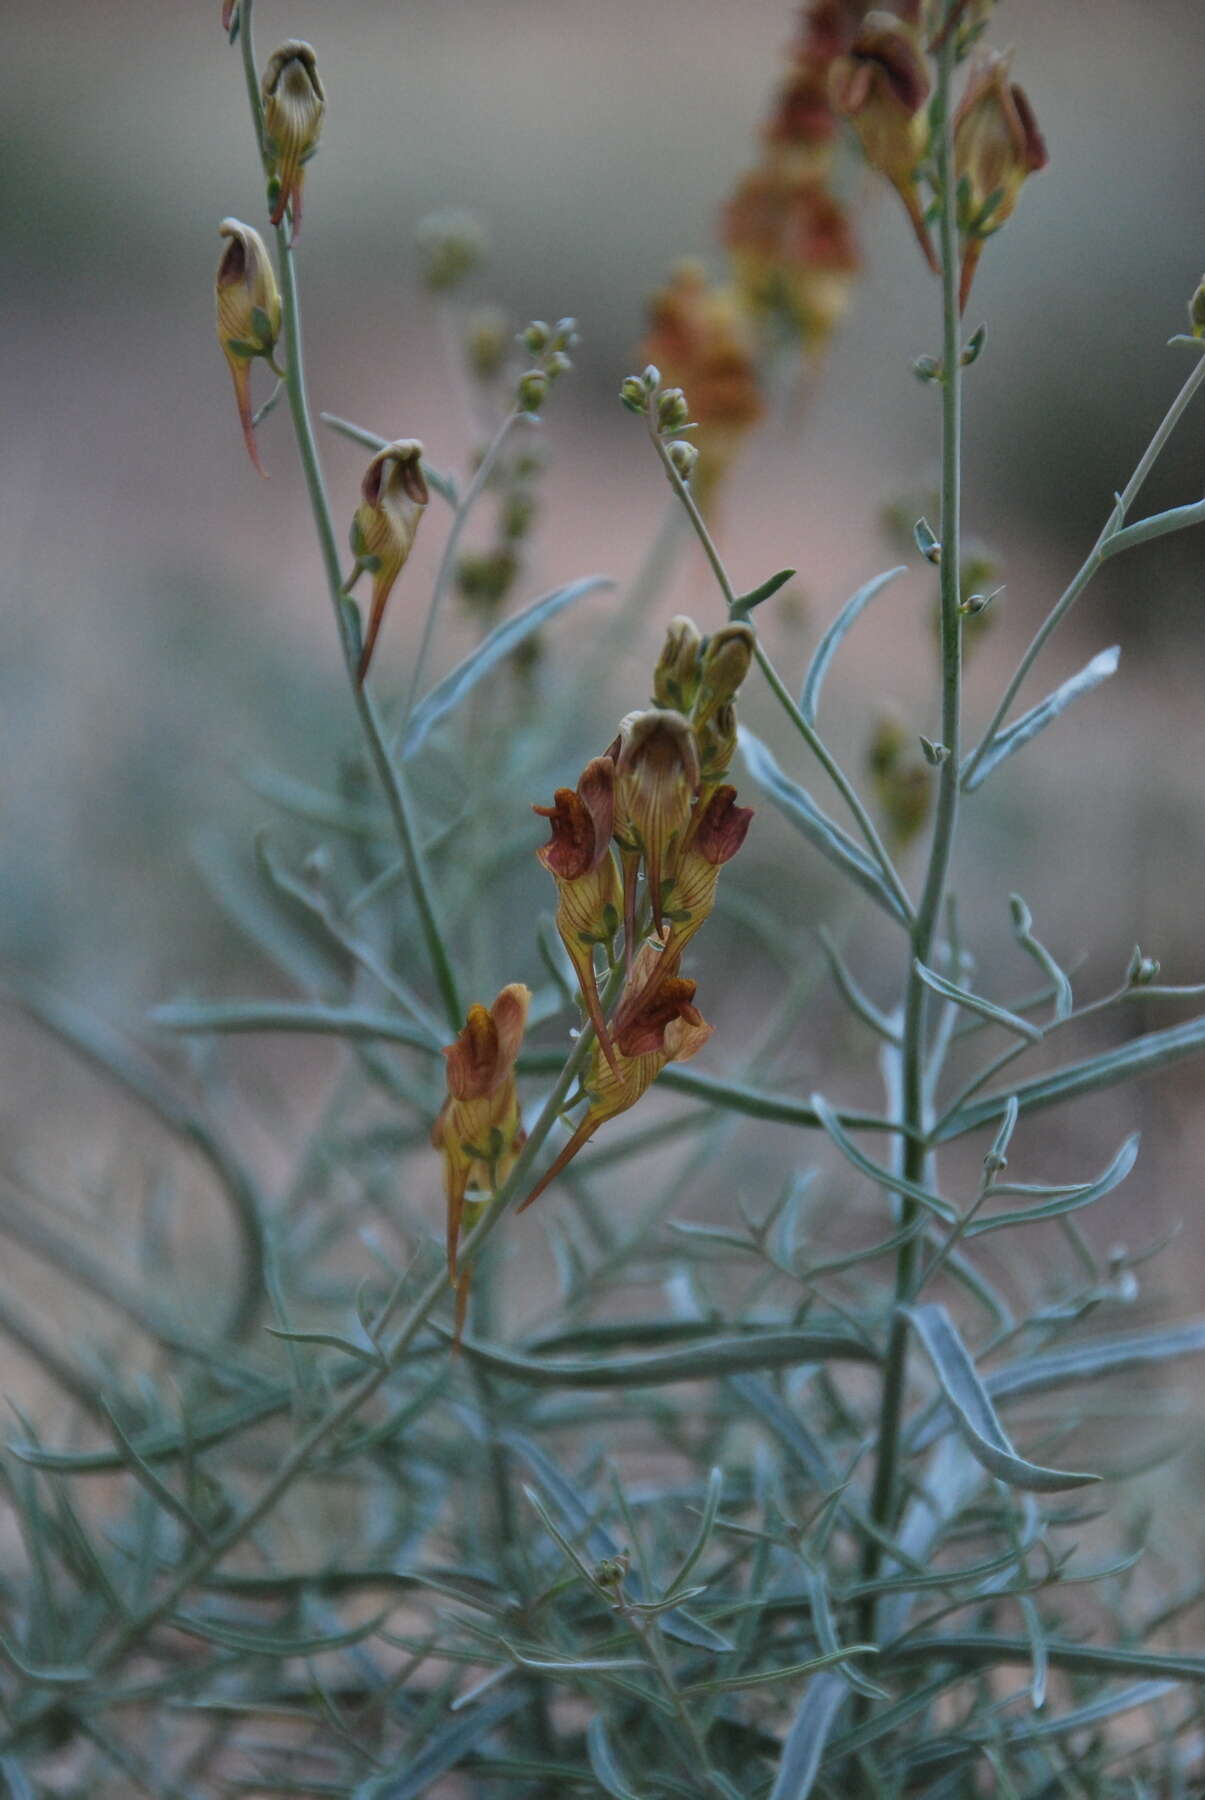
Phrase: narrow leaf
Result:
[804,1748]
[1029,724]
[1067,1199]
[603,1762]
[886,1178]
[723,1684]
[442,1751]
[711,1506]
[829,644]
[504,638]
[1104,1356]
[997,1015]
[743,605]
[972,1650]
[710,1357]
[797,806]
[1023,932]
[981,1430]
[1141,1056]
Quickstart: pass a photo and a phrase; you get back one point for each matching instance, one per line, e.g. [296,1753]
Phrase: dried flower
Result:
[248,310]
[294,104]
[656,1022]
[656,780]
[997,146]
[479,1128]
[394,493]
[881,86]
[589,896]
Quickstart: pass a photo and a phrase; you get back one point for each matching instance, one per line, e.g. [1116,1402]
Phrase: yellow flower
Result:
[656,780]
[394,493]
[716,834]
[248,314]
[294,105]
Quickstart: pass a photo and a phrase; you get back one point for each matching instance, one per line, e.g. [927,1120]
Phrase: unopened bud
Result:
[727,655]
[927,368]
[672,411]
[1141,970]
[556,363]
[564,335]
[248,313]
[925,539]
[634,395]
[683,456]
[532,389]
[676,677]
[450,246]
[294,105]
[534,338]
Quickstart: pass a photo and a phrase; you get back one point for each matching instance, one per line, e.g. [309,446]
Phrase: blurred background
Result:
[165,632]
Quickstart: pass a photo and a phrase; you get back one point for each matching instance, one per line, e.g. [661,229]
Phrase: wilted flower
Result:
[394,493]
[580,861]
[656,780]
[881,86]
[479,1128]
[656,1022]
[294,104]
[248,310]
[997,145]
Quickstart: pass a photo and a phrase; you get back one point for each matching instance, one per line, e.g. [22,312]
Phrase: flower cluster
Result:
[639,844]
[635,851]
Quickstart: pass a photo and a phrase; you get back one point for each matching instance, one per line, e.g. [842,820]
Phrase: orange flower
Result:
[294,105]
[579,859]
[248,309]
[383,531]
[479,1128]
[881,86]
[997,146]
[656,1022]
[717,833]
[792,250]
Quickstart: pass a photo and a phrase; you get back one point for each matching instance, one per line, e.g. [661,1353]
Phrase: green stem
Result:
[885,1488]
[778,688]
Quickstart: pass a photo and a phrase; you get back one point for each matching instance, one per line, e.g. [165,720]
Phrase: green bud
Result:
[534,338]
[532,389]
[683,456]
[634,395]
[672,411]
[1196,310]
[557,364]
[678,672]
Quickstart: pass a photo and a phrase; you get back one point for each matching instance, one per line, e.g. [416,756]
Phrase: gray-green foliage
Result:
[701,1521]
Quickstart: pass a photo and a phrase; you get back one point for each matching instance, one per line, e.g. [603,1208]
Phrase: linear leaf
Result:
[968,1398]
[1022,920]
[709,1357]
[973,1650]
[288,1015]
[1142,1694]
[997,1015]
[1141,1056]
[723,1684]
[797,806]
[1086,1362]
[804,1747]
[1068,1199]
[1029,724]
[263,1643]
[504,638]
[603,1762]
[441,1752]
[887,1178]
[829,644]
[711,1506]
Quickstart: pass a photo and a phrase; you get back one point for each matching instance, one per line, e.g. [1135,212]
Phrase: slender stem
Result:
[389,775]
[447,562]
[811,737]
[1111,540]
[884,1491]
